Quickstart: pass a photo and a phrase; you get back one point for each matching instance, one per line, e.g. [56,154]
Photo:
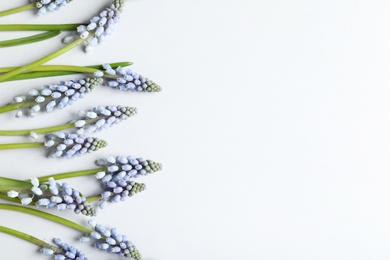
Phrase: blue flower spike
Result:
[54,195]
[99,118]
[68,252]
[55,96]
[64,145]
[124,168]
[100,26]
[129,81]
[111,241]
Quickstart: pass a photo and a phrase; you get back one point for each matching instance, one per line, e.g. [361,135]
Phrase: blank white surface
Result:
[273,129]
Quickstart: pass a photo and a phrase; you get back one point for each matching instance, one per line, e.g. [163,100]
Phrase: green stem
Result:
[93,198]
[44,130]
[21,145]
[64,67]
[66,175]
[18,9]
[47,216]
[14,183]
[38,27]
[29,39]
[5,197]
[41,60]
[48,70]
[16,106]
[28,238]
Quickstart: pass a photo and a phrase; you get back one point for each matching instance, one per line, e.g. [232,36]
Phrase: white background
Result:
[273,129]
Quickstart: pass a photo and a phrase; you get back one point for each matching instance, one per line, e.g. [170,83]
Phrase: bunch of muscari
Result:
[53,195]
[110,240]
[68,145]
[99,26]
[64,251]
[44,6]
[128,81]
[55,96]
[118,174]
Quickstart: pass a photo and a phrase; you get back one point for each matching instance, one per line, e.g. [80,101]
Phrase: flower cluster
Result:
[100,117]
[70,145]
[49,5]
[116,191]
[100,26]
[54,195]
[56,96]
[68,252]
[129,81]
[123,168]
[110,240]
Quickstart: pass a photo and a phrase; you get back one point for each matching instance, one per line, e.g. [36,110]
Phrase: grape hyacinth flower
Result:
[68,252]
[54,96]
[128,81]
[64,145]
[100,117]
[44,6]
[123,168]
[53,195]
[93,120]
[111,241]
[99,26]
[116,191]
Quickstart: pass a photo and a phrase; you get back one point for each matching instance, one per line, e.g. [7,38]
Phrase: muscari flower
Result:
[55,96]
[67,251]
[111,241]
[65,145]
[123,168]
[99,26]
[44,6]
[129,81]
[99,118]
[117,177]
[53,195]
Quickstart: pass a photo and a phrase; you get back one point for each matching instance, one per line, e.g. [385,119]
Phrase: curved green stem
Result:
[41,60]
[47,216]
[66,175]
[28,238]
[70,68]
[38,27]
[21,145]
[29,39]
[18,9]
